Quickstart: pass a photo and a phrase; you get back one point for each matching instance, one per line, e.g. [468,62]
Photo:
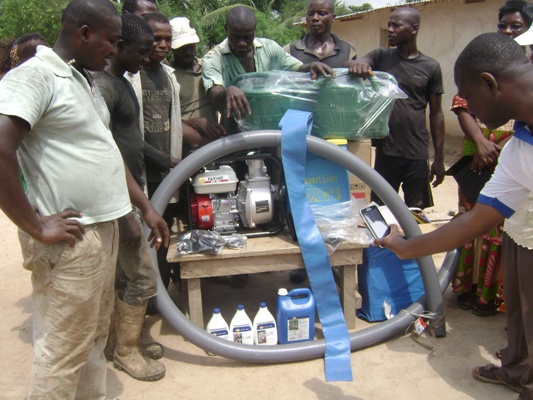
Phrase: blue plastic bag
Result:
[386,281]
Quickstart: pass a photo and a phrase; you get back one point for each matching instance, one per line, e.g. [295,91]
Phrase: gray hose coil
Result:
[434,283]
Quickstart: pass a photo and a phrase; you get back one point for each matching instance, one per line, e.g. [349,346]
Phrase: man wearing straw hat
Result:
[196,109]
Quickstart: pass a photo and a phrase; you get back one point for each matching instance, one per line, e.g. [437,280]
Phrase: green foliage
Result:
[212,28]
[293,12]
[342,9]
[361,8]
[172,8]
[18,17]
[269,27]
[275,18]
[209,17]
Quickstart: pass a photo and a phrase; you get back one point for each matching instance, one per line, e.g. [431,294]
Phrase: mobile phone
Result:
[375,222]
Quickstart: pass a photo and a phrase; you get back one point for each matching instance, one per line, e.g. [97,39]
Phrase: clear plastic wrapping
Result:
[208,242]
[271,94]
[340,222]
[353,108]
[343,108]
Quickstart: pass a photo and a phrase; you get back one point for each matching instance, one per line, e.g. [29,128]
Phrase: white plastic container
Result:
[241,330]
[265,330]
[217,326]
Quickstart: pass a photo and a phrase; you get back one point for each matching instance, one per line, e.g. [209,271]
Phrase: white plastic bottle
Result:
[265,329]
[217,326]
[241,330]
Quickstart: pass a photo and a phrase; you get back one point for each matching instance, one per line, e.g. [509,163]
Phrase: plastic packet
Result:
[340,222]
[208,242]
[355,108]
[200,241]
[236,241]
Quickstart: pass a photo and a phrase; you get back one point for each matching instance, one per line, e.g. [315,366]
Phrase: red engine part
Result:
[201,211]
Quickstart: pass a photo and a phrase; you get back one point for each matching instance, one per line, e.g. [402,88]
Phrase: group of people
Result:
[478,281]
[98,120]
[494,76]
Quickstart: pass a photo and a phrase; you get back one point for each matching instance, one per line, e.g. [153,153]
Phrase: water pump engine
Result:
[222,203]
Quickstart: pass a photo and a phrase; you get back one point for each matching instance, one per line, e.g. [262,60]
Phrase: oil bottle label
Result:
[266,333]
[298,329]
[221,333]
[243,334]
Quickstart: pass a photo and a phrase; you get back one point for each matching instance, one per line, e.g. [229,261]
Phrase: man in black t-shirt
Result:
[402,157]
[135,273]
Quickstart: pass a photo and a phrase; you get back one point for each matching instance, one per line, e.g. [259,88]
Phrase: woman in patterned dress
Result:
[477,278]
[478,281]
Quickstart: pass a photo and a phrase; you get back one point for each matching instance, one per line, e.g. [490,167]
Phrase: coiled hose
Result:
[434,284]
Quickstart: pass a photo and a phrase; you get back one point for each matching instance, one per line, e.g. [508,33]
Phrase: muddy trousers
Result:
[135,272]
[73,297]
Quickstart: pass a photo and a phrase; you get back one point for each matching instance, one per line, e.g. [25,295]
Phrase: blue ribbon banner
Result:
[295,126]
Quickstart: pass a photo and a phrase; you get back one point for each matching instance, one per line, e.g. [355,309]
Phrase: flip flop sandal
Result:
[485,310]
[488,374]
[467,300]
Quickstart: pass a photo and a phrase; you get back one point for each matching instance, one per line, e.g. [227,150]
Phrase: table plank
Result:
[281,243]
[255,263]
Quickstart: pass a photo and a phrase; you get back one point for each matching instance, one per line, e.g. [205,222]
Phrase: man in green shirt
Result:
[242,52]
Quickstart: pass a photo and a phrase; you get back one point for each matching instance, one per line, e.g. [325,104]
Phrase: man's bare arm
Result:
[13,200]
[159,230]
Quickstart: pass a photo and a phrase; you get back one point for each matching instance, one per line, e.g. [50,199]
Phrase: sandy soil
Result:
[398,368]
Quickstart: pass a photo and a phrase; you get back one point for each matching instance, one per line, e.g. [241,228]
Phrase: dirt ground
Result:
[399,368]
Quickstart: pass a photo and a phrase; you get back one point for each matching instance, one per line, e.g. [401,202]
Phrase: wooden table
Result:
[266,254]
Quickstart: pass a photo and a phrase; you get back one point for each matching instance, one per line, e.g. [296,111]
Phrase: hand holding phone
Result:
[375,222]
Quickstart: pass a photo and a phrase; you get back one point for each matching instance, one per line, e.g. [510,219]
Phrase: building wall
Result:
[445,29]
